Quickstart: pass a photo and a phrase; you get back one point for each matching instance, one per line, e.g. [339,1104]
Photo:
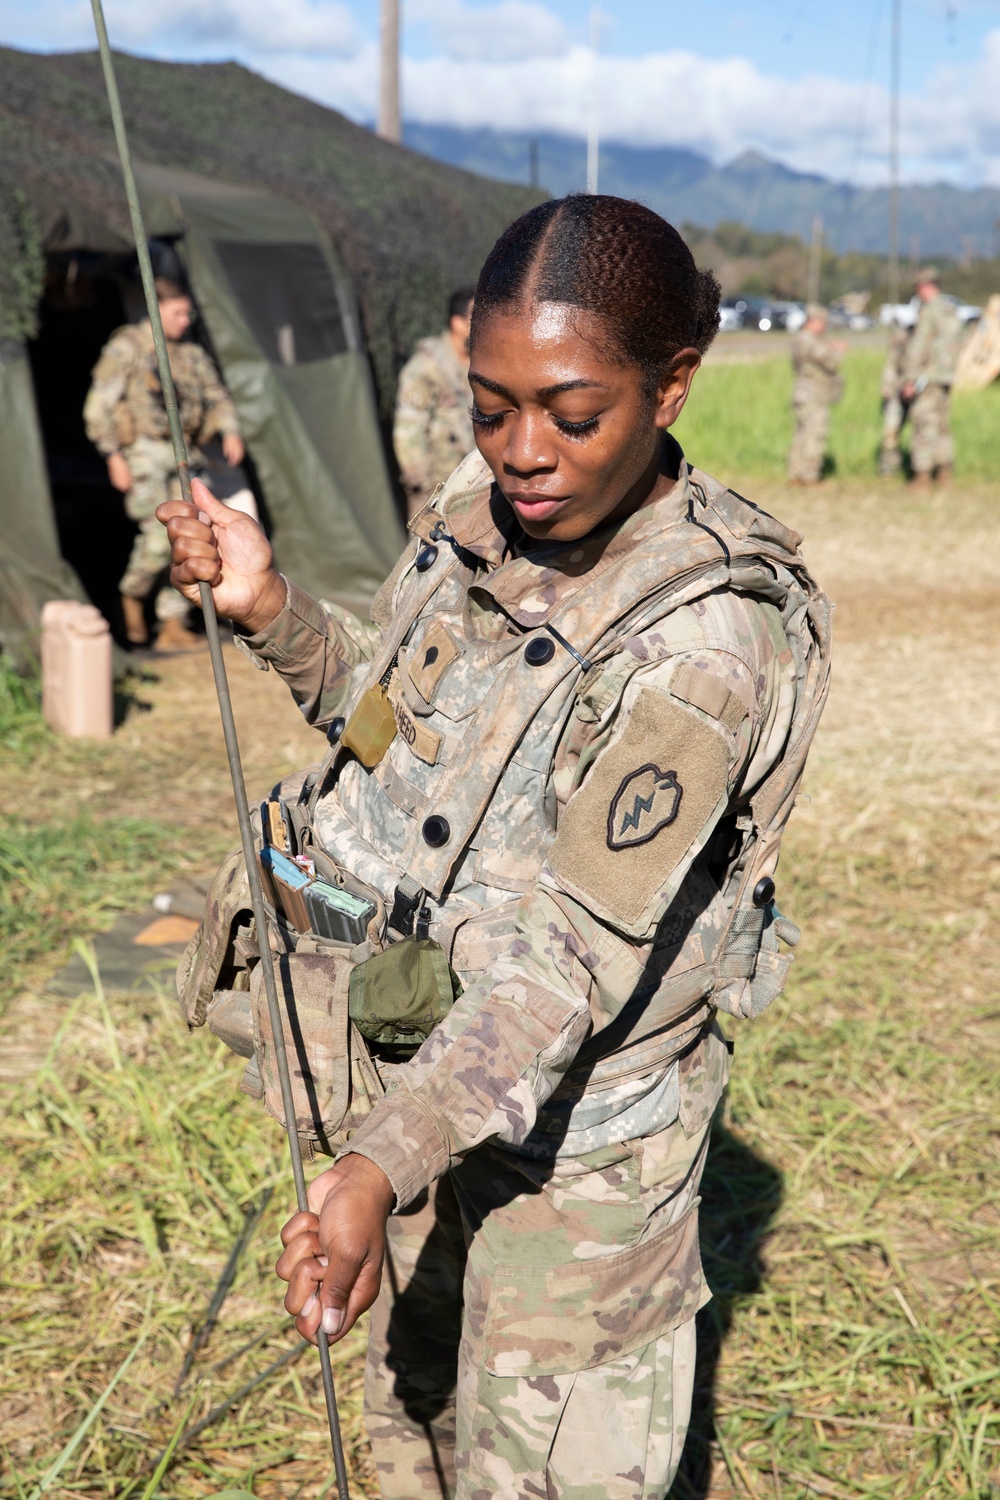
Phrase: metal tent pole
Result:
[225,704]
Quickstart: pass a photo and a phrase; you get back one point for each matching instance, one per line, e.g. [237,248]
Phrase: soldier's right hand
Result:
[212,544]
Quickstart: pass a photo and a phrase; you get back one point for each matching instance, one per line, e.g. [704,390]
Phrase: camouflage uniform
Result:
[432,428]
[894,408]
[125,413]
[931,356]
[546,1143]
[817,387]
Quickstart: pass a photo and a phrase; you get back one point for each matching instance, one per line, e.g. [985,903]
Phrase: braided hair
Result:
[611,257]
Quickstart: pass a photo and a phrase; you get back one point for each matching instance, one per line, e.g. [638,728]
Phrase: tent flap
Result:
[31,568]
[281,317]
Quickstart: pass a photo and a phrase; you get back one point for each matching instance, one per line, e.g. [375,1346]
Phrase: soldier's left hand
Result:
[333,1254]
[233,449]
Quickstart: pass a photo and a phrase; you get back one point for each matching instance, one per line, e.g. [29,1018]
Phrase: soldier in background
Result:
[928,372]
[894,408]
[817,386]
[432,429]
[126,420]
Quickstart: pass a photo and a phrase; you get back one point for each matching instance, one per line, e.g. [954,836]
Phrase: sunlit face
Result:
[175,315]
[573,440]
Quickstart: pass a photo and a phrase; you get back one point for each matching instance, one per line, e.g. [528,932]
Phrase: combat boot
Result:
[175,636]
[134,615]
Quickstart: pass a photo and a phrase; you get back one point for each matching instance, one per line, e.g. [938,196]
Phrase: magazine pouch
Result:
[333,1079]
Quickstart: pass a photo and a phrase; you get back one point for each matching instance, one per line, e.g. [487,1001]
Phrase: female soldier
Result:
[602,672]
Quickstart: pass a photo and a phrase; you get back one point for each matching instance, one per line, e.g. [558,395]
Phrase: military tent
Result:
[317,255]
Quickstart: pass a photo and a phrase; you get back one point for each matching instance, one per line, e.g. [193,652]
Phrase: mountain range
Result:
[936,219]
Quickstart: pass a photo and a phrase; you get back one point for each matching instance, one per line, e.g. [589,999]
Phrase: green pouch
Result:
[398,996]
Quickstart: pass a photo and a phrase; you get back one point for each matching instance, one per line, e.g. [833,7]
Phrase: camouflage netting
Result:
[409,229]
[22,266]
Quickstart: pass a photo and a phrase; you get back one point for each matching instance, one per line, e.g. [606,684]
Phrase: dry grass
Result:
[852,1220]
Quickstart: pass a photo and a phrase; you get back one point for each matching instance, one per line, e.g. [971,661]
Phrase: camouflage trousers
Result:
[931,444]
[808,450]
[535,1332]
[154,480]
[890,456]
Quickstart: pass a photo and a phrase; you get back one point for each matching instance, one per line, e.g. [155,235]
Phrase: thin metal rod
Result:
[225,704]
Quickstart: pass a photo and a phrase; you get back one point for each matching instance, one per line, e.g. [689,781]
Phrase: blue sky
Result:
[803,80]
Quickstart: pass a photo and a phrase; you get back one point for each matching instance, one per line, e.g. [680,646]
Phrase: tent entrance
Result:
[87,296]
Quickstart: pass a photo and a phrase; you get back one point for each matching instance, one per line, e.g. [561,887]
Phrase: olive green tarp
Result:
[284,327]
[31,568]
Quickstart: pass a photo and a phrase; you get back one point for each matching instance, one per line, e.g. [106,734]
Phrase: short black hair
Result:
[611,257]
[458,302]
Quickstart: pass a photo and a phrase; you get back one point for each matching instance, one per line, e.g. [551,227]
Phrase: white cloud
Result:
[190,28]
[510,31]
[260,27]
[722,107]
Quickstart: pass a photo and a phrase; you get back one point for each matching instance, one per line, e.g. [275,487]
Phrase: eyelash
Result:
[486,419]
[490,420]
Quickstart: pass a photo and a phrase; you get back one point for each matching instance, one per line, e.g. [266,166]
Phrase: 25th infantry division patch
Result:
[647,800]
[622,835]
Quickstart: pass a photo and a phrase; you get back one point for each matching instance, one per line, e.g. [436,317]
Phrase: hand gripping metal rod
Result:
[225,706]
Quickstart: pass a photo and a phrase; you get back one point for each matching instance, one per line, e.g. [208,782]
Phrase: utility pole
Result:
[389,125]
[593,113]
[894,152]
[815,259]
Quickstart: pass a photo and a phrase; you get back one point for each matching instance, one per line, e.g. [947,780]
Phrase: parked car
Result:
[755,312]
[793,315]
[904,314]
[730,318]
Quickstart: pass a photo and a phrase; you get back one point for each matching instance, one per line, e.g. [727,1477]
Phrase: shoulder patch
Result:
[646,801]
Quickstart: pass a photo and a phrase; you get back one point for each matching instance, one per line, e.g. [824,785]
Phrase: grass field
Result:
[851,1226]
[738,424]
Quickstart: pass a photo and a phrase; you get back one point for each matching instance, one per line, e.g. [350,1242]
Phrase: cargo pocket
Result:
[334,1081]
[556,1320]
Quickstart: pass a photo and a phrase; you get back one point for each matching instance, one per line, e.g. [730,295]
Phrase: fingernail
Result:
[324,1260]
[308,1306]
[332,1319]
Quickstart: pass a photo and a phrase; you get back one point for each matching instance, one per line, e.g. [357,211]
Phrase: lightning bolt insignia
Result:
[640,805]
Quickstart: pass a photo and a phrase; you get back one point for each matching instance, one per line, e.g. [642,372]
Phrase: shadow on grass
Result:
[127,690]
[741,1193]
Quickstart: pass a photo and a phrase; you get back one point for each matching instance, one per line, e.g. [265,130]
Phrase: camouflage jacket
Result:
[557,801]
[432,428]
[932,351]
[816,366]
[125,400]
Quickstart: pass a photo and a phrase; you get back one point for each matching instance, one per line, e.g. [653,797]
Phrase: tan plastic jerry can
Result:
[77,682]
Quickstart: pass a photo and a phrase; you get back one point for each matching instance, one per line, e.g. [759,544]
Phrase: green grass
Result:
[131,1161]
[738,421]
[65,877]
